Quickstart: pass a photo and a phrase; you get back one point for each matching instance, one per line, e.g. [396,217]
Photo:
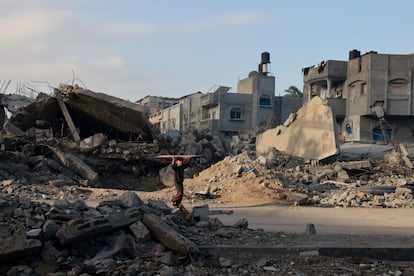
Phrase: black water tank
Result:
[354,54]
[265,57]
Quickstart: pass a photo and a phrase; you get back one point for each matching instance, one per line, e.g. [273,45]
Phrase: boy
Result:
[178,167]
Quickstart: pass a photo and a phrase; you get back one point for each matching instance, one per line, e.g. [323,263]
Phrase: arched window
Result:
[265,100]
[235,113]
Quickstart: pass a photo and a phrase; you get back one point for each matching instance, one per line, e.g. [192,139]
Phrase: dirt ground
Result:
[217,185]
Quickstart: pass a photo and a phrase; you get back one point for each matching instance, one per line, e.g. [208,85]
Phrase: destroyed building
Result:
[223,112]
[55,147]
[371,95]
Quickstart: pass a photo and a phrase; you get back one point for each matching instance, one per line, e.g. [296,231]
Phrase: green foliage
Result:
[294,91]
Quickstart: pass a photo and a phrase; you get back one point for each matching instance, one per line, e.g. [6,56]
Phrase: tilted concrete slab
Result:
[115,112]
[309,133]
[91,113]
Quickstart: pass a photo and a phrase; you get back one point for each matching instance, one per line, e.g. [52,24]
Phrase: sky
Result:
[134,48]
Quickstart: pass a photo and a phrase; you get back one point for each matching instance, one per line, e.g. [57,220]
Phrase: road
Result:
[326,220]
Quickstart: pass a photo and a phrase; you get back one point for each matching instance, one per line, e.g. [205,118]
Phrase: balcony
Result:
[209,100]
[332,69]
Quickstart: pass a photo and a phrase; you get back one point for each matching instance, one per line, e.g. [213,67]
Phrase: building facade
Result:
[371,95]
[224,112]
[155,103]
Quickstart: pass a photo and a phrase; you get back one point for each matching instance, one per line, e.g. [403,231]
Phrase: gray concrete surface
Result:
[383,234]
[326,220]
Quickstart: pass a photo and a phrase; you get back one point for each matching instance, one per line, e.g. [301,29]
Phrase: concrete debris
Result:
[49,180]
[72,162]
[310,133]
[168,236]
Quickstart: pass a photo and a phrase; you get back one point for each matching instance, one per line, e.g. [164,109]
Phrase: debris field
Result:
[77,202]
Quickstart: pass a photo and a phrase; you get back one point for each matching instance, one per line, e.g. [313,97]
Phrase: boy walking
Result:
[178,167]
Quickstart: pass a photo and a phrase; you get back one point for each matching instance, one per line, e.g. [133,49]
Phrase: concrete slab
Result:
[309,133]
[355,150]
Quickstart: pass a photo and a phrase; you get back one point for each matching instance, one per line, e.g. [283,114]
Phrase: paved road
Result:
[327,220]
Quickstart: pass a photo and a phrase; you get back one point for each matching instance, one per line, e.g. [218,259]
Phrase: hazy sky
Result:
[131,49]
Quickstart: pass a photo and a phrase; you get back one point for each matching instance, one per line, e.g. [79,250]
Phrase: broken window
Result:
[337,93]
[265,100]
[235,113]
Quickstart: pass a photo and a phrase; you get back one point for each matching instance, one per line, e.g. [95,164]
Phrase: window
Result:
[235,113]
[364,89]
[265,100]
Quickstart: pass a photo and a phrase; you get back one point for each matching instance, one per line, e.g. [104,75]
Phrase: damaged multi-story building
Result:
[224,112]
[371,95]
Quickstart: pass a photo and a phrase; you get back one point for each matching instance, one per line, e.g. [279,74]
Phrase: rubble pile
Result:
[117,237]
[371,183]
[59,151]
[125,236]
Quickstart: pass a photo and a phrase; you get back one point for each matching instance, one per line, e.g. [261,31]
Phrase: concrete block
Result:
[310,135]
[90,143]
[168,236]
[13,248]
[81,229]
[140,232]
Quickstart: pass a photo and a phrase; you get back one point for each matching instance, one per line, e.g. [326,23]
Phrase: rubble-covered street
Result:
[91,202]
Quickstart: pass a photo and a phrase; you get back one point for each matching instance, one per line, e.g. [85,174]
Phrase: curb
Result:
[379,253]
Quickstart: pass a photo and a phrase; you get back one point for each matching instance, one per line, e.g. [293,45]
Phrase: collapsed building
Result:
[371,95]
[96,137]
[57,145]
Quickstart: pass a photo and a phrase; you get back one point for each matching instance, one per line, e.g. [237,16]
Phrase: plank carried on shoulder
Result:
[184,156]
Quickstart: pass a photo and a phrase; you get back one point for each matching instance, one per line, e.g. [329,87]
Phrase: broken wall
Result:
[310,133]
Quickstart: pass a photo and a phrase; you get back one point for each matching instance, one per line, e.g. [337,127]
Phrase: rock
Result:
[130,199]
[140,232]
[242,223]
[49,229]
[93,142]
[310,229]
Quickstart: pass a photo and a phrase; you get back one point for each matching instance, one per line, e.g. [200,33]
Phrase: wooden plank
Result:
[184,156]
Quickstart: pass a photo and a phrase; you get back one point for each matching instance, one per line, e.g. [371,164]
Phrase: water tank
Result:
[354,54]
[265,57]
